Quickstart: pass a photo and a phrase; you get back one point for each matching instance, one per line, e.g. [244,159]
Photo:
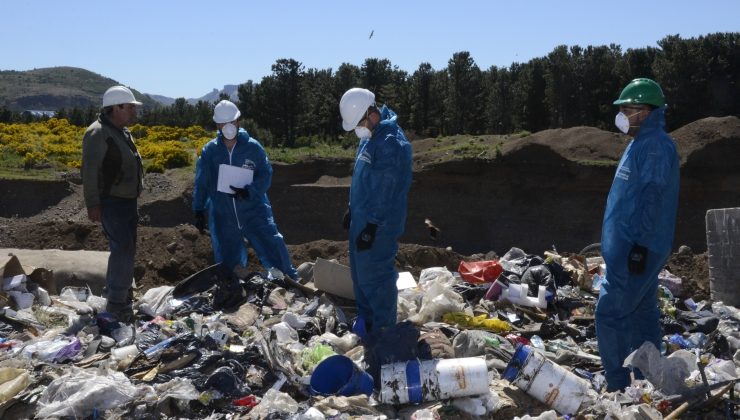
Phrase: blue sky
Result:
[186,48]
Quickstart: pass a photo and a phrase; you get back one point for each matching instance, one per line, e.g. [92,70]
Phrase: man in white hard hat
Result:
[377,209]
[112,179]
[243,211]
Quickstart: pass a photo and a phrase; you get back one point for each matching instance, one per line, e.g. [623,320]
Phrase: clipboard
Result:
[233,175]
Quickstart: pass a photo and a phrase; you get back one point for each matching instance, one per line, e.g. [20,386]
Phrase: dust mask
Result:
[622,122]
[363,133]
[229,131]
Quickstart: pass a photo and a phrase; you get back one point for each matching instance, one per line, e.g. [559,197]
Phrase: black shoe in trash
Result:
[123,312]
[229,295]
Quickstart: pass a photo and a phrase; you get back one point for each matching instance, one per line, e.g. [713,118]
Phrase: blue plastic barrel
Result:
[339,375]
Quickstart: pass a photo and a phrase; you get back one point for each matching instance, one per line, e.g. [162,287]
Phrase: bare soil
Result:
[536,192]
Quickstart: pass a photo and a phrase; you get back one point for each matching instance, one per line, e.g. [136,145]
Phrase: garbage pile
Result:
[505,338]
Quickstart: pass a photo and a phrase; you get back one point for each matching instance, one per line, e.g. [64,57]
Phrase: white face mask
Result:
[229,131]
[622,122]
[363,133]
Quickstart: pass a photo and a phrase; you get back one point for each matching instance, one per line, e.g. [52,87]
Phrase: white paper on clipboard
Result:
[233,175]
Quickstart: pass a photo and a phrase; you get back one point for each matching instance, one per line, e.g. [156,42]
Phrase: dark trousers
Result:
[120,217]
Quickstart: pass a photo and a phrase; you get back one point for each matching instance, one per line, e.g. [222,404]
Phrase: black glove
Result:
[240,193]
[366,237]
[200,220]
[637,259]
[346,219]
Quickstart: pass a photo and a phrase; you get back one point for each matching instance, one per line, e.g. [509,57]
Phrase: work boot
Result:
[123,312]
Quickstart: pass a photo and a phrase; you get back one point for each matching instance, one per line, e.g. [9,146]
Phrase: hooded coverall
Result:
[230,219]
[378,195]
[641,209]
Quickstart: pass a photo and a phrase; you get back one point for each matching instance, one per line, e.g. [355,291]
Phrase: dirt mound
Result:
[576,143]
[168,255]
[699,134]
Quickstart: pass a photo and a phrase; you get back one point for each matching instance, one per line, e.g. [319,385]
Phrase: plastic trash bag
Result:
[471,343]
[12,382]
[58,350]
[435,275]
[667,374]
[342,344]
[155,301]
[274,402]
[80,393]
[177,388]
[438,299]
[480,321]
[538,275]
[514,261]
[313,355]
[478,272]
[225,381]
[98,303]
[478,406]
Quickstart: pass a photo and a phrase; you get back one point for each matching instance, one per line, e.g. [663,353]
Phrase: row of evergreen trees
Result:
[570,86]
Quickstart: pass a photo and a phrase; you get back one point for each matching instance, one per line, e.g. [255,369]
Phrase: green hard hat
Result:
[641,91]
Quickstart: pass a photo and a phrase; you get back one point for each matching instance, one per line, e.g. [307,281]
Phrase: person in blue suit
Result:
[377,205]
[637,233]
[244,211]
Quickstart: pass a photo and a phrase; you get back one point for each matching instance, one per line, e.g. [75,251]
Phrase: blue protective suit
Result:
[230,220]
[380,185]
[641,209]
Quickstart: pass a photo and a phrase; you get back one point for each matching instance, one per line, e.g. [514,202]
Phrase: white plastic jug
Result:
[546,381]
[416,381]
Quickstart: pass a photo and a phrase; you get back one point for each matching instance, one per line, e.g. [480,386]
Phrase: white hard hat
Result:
[353,105]
[118,95]
[225,111]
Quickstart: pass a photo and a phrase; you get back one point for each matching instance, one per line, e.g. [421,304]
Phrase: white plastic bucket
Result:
[546,381]
[416,381]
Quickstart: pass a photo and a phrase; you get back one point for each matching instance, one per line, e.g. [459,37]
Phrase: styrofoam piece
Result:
[517,294]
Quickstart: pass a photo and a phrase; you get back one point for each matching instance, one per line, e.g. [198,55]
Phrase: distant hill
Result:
[212,96]
[52,88]
[164,100]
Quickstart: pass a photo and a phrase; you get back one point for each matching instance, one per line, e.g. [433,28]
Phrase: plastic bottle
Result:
[158,348]
[697,340]
[537,342]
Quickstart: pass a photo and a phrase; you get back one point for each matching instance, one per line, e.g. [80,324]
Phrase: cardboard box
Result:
[10,266]
[334,278]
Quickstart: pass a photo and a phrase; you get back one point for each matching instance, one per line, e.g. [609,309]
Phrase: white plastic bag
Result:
[273,402]
[81,392]
[156,301]
[438,300]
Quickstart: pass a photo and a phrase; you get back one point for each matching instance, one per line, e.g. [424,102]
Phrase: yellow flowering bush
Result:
[58,142]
